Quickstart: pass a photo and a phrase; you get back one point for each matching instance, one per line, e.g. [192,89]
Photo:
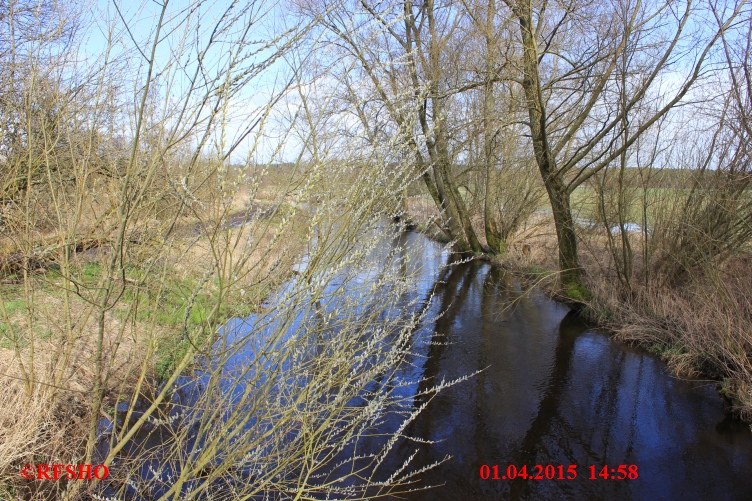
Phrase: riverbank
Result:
[701,329]
[164,308]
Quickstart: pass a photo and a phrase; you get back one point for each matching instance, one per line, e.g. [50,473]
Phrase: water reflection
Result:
[553,392]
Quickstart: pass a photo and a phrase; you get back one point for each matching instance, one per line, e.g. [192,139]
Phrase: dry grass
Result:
[702,329]
[51,421]
[34,428]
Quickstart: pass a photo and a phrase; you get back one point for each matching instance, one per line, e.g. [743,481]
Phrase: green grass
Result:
[169,305]
[169,355]
[666,350]
[538,272]
[578,292]
[166,307]
[584,202]
[12,307]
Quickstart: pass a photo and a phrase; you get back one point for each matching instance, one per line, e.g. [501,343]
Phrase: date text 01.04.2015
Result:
[558,472]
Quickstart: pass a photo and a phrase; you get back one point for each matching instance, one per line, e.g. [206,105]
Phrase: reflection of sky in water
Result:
[555,393]
[248,349]
[417,260]
[551,391]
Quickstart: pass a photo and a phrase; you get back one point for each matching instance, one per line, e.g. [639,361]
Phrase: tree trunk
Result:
[458,222]
[493,238]
[455,205]
[558,194]
[569,264]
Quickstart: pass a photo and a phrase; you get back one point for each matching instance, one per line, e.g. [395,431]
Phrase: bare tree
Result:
[401,52]
[573,58]
[128,252]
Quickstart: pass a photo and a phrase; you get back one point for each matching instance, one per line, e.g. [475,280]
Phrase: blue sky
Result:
[174,72]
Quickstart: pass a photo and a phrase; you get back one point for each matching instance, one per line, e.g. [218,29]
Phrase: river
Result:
[555,392]
[581,416]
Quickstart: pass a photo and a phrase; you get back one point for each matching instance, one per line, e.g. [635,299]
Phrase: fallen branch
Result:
[43,256]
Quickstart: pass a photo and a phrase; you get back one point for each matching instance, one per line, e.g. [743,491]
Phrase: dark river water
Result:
[554,392]
[551,391]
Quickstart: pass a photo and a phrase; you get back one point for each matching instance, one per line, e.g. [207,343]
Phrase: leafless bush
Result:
[126,251]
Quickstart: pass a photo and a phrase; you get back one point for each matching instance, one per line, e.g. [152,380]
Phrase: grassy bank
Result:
[163,309]
[661,285]
[701,329]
